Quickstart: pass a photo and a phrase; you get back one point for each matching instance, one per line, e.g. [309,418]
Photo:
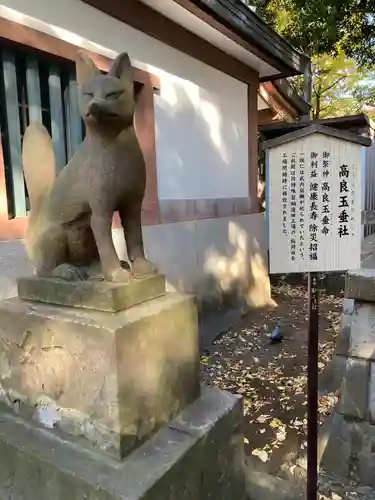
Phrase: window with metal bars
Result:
[35,87]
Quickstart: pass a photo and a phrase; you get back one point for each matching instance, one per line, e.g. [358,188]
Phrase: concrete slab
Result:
[360,285]
[362,331]
[91,294]
[35,464]
[355,387]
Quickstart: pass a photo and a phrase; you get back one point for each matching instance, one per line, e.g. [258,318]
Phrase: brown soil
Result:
[272,378]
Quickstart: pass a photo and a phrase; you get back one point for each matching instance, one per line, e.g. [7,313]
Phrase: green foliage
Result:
[324,26]
[339,86]
[365,92]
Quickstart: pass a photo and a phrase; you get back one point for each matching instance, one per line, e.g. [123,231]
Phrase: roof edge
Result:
[357,124]
[317,129]
[288,92]
[252,29]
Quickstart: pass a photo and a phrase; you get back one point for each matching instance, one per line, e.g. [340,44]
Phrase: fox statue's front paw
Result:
[119,275]
[69,272]
[143,267]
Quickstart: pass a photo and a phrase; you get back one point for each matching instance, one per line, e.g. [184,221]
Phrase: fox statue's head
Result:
[106,101]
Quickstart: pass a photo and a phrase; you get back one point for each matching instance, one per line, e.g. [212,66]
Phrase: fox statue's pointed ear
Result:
[85,68]
[122,69]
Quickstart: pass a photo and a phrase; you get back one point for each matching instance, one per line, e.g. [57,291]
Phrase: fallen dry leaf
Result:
[261,454]
[272,379]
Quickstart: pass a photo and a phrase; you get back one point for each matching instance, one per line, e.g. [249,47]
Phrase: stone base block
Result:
[198,456]
[106,380]
[349,450]
[95,294]
[354,398]
[343,340]
[360,285]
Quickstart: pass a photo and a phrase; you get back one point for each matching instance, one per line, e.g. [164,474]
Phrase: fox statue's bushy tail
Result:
[39,166]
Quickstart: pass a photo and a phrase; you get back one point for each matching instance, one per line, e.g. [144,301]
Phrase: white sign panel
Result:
[314,204]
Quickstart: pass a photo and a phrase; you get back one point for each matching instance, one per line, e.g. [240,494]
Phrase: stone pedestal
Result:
[351,444]
[106,404]
[91,294]
[198,456]
[110,379]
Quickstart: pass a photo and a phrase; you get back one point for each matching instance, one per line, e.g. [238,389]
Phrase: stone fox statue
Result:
[71,214]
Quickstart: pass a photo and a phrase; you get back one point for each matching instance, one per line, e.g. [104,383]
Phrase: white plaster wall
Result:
[14,264]
[201,113]
[209,257]
[203,257]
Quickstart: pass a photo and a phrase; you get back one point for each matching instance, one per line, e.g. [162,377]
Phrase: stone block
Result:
[330,379]
[263,486]
[350,450]
[225,455]
[354,398]
[372,392]
[360,285]
[172,465]
[343,341]
[362,462]
[335,458]
[362,331]
[105,380]
[347,306]
[91,294]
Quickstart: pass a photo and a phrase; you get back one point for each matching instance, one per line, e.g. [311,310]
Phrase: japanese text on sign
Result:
[319,192]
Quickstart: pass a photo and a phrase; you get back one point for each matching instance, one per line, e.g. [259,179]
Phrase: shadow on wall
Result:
[199,154]
[221,260]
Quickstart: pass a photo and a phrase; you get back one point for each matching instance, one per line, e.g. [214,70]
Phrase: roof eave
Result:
[358,123]
[287,91]
[247,24]
[317,129]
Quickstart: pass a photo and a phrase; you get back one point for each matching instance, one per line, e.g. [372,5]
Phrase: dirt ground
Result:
[272,377]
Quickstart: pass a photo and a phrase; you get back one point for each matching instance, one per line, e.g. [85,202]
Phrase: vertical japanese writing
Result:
[313,208]
[284,192]
[302,205]
[352,201]
[326,200]
[293,207]
[343,218]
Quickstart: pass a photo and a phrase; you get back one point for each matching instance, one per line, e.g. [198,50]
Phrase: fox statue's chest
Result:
[121,156]
[117,168]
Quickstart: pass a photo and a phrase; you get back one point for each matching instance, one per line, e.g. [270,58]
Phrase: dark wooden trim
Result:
[278,76]
[252,132]
[278,103]
[174,211]
[3,187]
[211,21]
[267,116]
[30,37]
[145,121]
[143,18]
[250,27]
[356,123]
[317,129]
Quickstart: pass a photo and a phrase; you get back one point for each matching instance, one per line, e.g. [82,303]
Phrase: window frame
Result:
[32,39]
